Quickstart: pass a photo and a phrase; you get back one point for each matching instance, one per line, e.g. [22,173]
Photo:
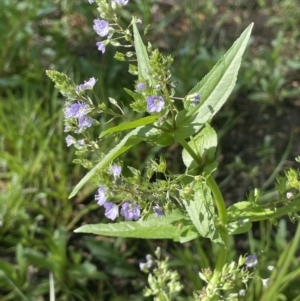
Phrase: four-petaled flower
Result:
[130,211]
[76,110]
[116,171]
[101,27]
[251,261]
[141,86]
[158,211]
[85,122]
[101,46]
[121,2]
[101,196]
[266,282]
[196,99]
[70,140]
[87,85]
[155,104]
[111,210]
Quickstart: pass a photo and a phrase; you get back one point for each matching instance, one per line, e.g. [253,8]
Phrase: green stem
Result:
[190,151]
[222,254]
[219,200]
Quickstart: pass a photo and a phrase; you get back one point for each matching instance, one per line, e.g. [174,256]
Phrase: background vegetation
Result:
[258,129]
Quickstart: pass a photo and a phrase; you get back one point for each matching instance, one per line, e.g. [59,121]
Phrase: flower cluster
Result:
[102,27]
[77,112]
[129,210]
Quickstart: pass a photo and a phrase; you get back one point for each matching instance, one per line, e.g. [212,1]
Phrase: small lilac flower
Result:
[76,110]
[251,261]
[101,46]
[111,210]
[70,140]
[87,85]
[196,99]
[266,282]
[158,211]
[141,86]
[101,196]
[91,1]
[130,211]
[155,103]
[116,171]
[242,292]
[81,142]
[145,266]
[101,27]
[85,122]
[121,2]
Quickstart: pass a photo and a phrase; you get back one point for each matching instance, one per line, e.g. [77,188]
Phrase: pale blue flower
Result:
[101,196]
[76,110]
[81,142]
[266,282]
[91,1]
[196,99]
[141,86]
[101,27]
[242,292]
[158,211]
[101,46]
[251,261]
[111,210]
[116,171]
[70,140]
[155,104]
[130,211]
[87,85]
[121,2]
[85,122]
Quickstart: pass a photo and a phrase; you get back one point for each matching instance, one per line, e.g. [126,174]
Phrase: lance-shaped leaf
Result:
[175,225]
[214,89]
[202,212]
[129,125]
[252,211]
[142,56]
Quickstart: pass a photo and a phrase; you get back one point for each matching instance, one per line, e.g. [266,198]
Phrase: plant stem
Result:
[219,200]
[222,255]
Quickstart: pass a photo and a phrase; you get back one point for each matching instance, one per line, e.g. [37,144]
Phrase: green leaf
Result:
[254,212]
[129,125]
[214,89]
[142,56]
[239,227]
[62,83]
[126,143]
[174,226]
[204,145]
[155,136]
[202,212]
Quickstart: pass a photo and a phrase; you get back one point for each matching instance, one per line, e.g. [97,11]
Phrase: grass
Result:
[39,253]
